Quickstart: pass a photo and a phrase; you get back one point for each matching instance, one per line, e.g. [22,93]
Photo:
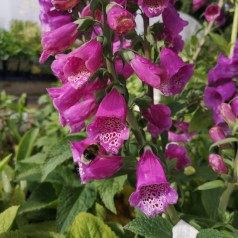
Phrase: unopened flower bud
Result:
[189,171]
[216,133]
[212,12]
[217,164]
[227,114]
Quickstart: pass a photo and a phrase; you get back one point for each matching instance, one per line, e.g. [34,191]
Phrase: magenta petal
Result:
[153,193]
[159,118]
[212,98]
[178,152]
[212,12]
[234,105]
[109,125]
[147,71]
[54,42]
[154,8]
[100,168]
[216,133]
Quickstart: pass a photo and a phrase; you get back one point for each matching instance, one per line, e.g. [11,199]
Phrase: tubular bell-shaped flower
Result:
[153,192]
[54,42]
[216,133]
[147,71]
[79,65]
[64,5]
[178,73]
[109,125]
[120,20]
[212,12]
[103,166]
[158,117]
[178,152]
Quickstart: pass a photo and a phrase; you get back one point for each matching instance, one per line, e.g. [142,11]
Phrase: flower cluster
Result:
[93,97]
[221,96]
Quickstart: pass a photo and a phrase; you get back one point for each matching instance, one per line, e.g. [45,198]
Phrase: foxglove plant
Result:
[94,96]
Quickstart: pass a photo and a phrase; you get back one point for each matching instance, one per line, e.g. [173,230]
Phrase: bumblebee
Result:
[90,153]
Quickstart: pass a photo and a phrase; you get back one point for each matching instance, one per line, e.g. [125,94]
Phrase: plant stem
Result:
[234,29]
[147,51]
[135,127]
[225,197]
[203,40]
[172,214]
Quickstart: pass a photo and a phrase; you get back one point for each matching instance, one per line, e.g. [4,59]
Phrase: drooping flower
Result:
[178,152]
[153,8]
[173,26]
[178,73]
[147,71]
[216,133]
[78,65]
[153,192]
[103,166]
[64,5]
[225,69]
[198,4]
[54,42]
[212,12]
[120,20]
[217,164]
[79,112]
[109,126]
[158,117]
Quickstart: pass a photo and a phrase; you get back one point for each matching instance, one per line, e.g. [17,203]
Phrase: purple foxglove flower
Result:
[178,73]
[225,69]
[173,25]
[120,20]
[153,192]
[109,126]
[213,97]
[55,41]
[227,114]
[123,68]
[78,65]
[234,105]
[212,12]
[86,12]
[80,112]
[198,4]
[51,19]
[153,8]
[64,5]
[103,166]
[217,164]
[216,133]
[174,137]
[158,117]
[178,152]
[147,71]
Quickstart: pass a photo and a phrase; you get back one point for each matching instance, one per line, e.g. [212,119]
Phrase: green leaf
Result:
[58,154]
[85,23]
[220,41]
[155,227]
[41,198]
[13,234]
[86,225]
[210,201]
[211,185]
[108,188]
[7,218]
[201,119]
[26,144]
[210,233]
[143,102]
[4,162]
[225,141]
[72,202]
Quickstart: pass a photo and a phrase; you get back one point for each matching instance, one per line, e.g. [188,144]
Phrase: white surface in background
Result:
[25,10]
[184,230]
